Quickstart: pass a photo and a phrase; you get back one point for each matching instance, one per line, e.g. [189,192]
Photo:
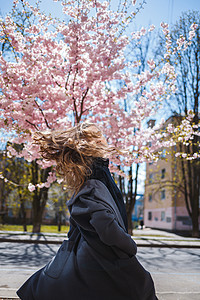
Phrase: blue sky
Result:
[154,12]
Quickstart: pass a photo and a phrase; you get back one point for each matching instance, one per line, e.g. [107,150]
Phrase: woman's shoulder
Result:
[92,187]
[94,195]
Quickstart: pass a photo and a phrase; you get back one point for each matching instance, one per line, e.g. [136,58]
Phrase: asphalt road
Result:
[176,272]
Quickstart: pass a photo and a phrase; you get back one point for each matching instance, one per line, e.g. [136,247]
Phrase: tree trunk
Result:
[36,225]
[129,217]
[194,201]
[131,198]
[59,221]
[195,217]
[22,209]
[39,203]
[37,212]
[130,201]
[191,183]
[40,196]
[23,216]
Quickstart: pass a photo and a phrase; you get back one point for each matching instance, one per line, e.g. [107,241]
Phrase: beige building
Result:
[164,198]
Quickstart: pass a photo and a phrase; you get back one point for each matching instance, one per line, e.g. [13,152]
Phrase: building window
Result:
[162,215]
[186,220]
[149,215]
[150,177]
[163,195]
[163,173]
[150,197]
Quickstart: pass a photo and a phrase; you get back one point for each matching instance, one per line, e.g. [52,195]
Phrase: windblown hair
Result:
[73,150]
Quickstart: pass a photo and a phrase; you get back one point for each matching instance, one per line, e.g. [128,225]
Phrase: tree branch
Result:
[36,127]
[42,114]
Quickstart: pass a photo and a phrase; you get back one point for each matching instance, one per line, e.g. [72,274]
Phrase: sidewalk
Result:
[143,237]
[171,284]
[148,237]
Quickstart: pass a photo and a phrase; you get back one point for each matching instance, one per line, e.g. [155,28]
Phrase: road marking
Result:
[8,293]
[8,289]
[179,293]
[154,273]
[21,269]
[173,273]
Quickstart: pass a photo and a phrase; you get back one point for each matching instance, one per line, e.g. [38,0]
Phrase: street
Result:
[176,272]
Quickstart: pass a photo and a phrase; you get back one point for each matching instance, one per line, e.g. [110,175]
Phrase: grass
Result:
[44,228]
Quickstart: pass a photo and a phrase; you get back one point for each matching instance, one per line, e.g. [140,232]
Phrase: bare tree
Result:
[138,51]
[187,66]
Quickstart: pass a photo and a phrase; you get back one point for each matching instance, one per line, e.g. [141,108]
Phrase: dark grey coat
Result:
[98,261]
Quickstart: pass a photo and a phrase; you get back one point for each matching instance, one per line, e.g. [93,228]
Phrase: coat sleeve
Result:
[73,231]
[111,233]
[95,217]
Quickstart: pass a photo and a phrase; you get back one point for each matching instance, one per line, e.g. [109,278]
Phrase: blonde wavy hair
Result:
[74,151]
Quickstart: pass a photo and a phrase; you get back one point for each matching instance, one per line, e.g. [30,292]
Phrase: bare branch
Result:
[40,109]
[34,125]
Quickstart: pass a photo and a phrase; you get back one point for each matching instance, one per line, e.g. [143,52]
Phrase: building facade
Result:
[164,198]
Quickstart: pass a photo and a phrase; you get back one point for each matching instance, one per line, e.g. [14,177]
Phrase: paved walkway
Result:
[158,238]
[143,237]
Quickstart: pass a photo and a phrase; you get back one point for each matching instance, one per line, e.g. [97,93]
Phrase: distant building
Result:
[137,214]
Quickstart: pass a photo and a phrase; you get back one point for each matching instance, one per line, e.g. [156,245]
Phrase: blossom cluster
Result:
[63,72]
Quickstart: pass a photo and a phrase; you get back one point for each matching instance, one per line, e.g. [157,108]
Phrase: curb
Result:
[151,245]
[168,246]
[3,240]
[9,298]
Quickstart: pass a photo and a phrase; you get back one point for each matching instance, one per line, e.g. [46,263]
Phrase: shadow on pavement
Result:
[31,255]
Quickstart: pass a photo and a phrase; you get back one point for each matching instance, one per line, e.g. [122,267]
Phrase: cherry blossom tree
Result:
[63,72]
[55,78]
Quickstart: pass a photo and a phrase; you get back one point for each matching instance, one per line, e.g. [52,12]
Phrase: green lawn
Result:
[44,228]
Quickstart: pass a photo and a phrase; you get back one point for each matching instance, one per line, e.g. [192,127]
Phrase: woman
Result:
[98,260]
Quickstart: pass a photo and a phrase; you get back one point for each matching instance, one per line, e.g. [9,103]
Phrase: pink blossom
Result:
[47,184]
[164,25]
[84,76]
[151,64]
[152,27]
[60,180]
[40,185]
[180,42]
[191,35]
[31,187]
[194,26]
